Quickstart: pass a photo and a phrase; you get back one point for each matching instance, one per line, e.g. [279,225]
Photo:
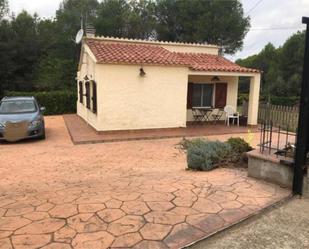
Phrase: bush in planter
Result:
[205,155]
[239,145]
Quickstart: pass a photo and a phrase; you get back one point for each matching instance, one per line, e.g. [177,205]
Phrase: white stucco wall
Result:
[232,89]
[129,101]
[87,67]
[253,107]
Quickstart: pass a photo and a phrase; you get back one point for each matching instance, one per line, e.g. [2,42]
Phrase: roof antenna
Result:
[80,33]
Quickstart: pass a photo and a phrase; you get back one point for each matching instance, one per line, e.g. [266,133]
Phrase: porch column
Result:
[254,94]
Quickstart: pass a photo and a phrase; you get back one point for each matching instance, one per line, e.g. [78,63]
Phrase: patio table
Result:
[205,112]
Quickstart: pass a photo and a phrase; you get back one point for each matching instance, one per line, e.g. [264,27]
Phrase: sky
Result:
[271,20]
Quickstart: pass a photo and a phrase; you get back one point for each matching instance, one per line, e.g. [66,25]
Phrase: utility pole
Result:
[302,145]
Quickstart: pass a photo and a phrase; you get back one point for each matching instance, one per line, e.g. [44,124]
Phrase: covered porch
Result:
[214,90]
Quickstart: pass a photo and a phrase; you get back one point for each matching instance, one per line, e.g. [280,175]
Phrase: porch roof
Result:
[115,52]
[209,62]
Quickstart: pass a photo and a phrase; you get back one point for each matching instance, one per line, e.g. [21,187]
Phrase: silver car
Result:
[17,113]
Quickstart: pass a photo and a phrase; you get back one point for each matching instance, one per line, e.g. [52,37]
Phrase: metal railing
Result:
[276,140]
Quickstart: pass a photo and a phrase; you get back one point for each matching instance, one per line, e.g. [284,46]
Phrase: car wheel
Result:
[43,136]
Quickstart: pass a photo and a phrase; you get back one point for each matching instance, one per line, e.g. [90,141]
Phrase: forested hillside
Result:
[38,54]
[282,69]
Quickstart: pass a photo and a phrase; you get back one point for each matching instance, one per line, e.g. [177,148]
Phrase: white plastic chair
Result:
[230,112]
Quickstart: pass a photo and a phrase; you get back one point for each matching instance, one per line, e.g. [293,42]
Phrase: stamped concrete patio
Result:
[136,194]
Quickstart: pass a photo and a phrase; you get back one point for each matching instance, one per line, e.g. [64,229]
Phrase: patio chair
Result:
[217,116]
[197,115]
[230,113]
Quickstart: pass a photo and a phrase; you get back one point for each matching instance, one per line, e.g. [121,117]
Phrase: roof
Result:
[209,62]
[152,42]
[106,52]
[111,52]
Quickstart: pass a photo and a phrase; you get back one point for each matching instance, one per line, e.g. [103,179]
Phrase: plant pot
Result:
[243,120]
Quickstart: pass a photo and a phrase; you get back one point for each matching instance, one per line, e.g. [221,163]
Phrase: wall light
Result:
[142,72]
[215,78]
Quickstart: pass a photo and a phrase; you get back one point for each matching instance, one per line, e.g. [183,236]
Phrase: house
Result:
[126,84]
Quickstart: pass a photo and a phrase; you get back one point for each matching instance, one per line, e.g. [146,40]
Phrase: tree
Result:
[112,18]
[57,67]
[7,54]
[167,25]
[215,22]
[40,54]
[68,16]
[25,50]
[141,21]
[291,61]
[130,19]
[282,67]
[4,8]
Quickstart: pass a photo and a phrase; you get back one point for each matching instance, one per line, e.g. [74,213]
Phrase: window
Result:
[87,94]
[202,95]
[94,97]
[17,106]
[81,93]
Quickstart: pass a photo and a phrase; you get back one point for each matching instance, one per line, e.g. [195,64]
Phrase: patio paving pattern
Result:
[83,133]
[135,194]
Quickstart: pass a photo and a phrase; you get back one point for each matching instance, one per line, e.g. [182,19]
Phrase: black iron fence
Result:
[276,140]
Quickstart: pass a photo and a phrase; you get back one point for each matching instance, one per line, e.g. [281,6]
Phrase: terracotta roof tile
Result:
[107,52]
[208,62]
[128,53]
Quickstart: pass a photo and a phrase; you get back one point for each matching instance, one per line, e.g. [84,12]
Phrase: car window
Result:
[17,106]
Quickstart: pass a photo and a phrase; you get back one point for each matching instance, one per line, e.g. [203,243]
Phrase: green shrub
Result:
[241,98]
[185,143]
[239,145]
[281,100]
[285,101]
[205,155]
[56,102]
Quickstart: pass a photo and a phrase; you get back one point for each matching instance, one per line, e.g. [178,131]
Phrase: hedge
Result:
[55,102]
[274,100]
[285,101]
[242,97]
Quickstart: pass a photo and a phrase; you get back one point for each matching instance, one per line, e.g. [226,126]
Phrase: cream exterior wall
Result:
[87,67]
[254,95]
[129,101]
[232,89]
[192,49]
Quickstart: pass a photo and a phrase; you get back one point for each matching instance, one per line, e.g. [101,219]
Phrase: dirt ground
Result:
[56,195]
